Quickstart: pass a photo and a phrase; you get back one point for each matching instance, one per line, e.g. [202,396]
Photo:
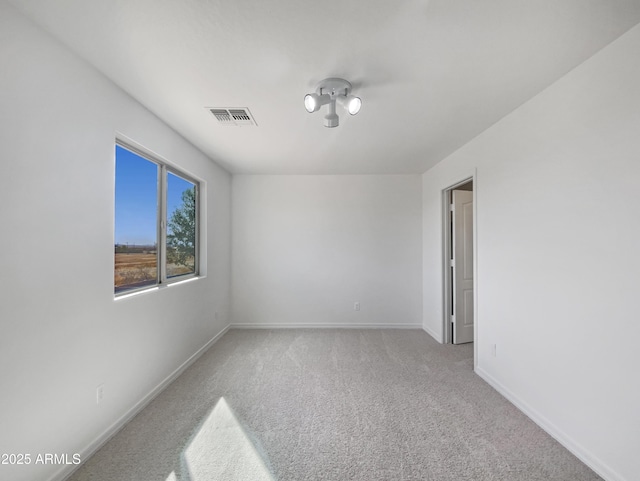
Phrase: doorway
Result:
[459,264]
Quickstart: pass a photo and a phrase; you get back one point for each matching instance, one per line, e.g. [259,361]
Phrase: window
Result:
[156,222]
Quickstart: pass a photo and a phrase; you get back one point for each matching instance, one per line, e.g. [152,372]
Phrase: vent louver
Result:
[235,117]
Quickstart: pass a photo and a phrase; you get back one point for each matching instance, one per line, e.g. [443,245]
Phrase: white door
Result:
[462,266]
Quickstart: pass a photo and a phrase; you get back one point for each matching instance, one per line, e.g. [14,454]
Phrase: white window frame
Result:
[161,221]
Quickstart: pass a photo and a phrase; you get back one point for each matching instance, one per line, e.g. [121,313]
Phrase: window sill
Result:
[147,290]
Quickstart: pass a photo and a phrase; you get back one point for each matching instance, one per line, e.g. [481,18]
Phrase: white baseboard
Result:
[436,336]
[323,326]
[97,443]
[601,469]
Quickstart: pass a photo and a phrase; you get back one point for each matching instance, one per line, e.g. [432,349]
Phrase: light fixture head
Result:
[329,91]
[351,103]
[313,102]
[332,119]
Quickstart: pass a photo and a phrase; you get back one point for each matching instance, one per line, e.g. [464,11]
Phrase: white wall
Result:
[61,332]
[305,248]
[558,218]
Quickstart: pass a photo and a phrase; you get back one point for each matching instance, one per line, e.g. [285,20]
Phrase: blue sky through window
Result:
[175,187]
[137,197]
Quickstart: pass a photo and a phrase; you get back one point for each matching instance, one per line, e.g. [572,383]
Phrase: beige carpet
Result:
[331,405]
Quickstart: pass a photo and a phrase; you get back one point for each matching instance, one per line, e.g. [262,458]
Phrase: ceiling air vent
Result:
[237,117]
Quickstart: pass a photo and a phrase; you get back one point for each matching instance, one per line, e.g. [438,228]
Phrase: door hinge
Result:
[452,263]
[451,207]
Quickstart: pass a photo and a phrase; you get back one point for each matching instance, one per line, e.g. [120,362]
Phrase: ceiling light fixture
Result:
[329,91]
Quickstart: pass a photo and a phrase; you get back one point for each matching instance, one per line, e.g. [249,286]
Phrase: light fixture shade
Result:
[351,103]
[354,105]
[332,119]
[313,102]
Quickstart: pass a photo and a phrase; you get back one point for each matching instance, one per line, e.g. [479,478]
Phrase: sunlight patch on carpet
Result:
[222,450]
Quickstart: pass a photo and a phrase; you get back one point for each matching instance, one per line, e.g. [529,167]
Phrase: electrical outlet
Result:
[493,350]
[356,306]
[99,393]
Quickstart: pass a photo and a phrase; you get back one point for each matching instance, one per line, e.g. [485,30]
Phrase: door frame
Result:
[447,337]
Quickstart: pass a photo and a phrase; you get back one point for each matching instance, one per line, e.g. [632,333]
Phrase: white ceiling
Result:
[432,74]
